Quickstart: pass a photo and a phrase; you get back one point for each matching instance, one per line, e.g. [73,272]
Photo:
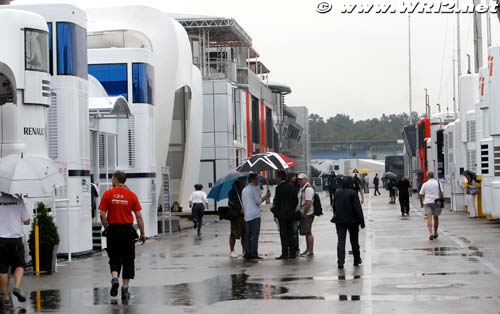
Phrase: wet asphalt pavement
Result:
[402,272]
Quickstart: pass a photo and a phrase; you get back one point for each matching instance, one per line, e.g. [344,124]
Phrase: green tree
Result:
[343,128]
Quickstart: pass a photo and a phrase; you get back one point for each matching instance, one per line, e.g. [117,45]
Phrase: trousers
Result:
[404,202]
[353,235]
[287,229]
[121,250]
[252,231]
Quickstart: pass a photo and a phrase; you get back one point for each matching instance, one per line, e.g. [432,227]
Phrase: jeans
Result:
[252,231]
[121,249]
[288,247]
[376,190]
[342,234]
[197,213]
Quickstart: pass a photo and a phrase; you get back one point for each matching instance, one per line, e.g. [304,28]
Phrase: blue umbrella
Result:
[223,186]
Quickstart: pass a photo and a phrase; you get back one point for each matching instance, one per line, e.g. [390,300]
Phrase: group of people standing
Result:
[292,207]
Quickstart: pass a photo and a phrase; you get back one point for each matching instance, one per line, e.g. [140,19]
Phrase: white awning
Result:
[109,107]
[29,176]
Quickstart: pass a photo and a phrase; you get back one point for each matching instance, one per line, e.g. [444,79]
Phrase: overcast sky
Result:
[341,63]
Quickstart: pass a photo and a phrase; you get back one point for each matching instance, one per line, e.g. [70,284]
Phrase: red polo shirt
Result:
[119,203]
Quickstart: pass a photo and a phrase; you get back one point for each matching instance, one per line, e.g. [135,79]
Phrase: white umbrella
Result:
[28,175]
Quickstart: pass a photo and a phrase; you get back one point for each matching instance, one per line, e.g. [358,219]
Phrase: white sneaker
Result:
[233,254]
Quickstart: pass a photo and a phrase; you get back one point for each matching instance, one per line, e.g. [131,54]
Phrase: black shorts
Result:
[11,254]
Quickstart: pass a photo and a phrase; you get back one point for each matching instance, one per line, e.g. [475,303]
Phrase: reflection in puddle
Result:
[210,291]
[451,251]
[429,285]
[343,297]
[292,297]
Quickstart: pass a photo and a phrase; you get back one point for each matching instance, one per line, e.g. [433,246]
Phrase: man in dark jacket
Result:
[284,204]
[404,188]
[348,216]
[332,185]
[376,182]
[238,225]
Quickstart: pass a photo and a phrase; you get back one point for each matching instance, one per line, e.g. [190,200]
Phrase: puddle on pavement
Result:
[451,251]
[290,279]
[429,285]
[292,297]
[210,291]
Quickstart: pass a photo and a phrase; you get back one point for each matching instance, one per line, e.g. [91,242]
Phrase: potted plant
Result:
[48,238]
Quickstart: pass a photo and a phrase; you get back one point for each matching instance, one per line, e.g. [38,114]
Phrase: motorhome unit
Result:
[184,151]
[435,156]
[484,142]
[423,134]
[494,105]
[68,132]
[453,164]
[128,72]
[172,105]
[25,95]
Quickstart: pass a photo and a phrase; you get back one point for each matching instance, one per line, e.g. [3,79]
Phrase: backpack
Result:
[318,209]
[316,202]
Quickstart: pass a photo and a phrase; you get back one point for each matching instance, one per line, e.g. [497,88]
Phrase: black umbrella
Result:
[391,176]
[471,173]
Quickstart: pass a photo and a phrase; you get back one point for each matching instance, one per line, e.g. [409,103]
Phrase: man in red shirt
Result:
[117,208]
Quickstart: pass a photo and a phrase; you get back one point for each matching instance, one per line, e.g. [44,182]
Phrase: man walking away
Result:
[284,204]
[348,216]
[14,214]
[332,186]
[198,202]
[305,206]
[117,206]
[376,182]
[431,198]
[238,225]
[252,200]
[404,188]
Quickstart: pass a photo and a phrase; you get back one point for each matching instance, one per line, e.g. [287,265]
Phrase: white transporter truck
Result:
[68,133]
[24,97]
[494,105]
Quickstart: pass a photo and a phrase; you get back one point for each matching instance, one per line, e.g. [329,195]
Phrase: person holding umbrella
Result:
[390,184]
[251,200]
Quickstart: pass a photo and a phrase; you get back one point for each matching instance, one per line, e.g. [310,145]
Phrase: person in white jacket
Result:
[198,202]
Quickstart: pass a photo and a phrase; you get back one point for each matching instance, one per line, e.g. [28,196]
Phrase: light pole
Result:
[409,65]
